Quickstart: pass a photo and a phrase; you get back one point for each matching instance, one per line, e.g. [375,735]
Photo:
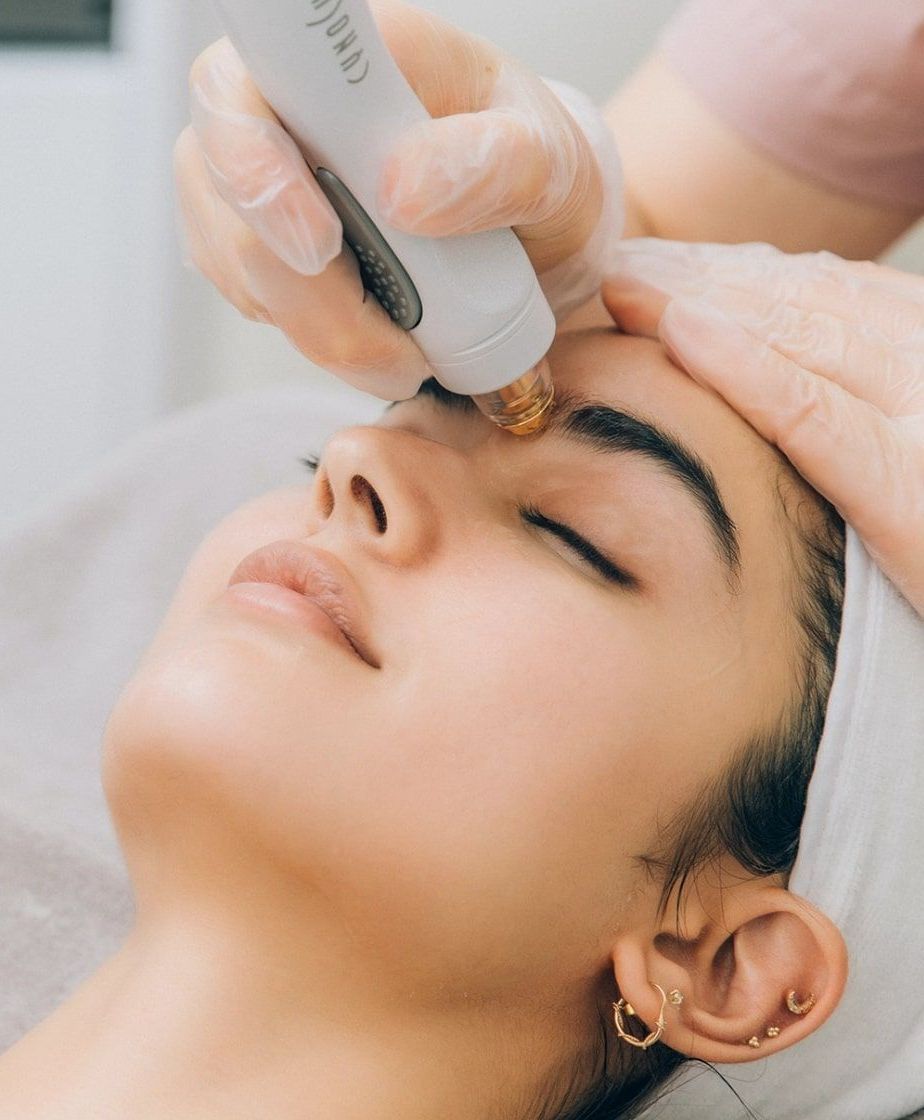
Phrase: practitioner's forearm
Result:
[690,177]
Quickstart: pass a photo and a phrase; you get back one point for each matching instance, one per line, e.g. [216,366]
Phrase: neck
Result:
[201,1019]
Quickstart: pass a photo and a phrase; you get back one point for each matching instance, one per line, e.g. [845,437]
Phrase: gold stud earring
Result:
[799,1008]
[651,1038]
[754,1041]
[675,996]
[773,1032]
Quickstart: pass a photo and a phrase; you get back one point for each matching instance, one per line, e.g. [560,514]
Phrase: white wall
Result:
[86,236]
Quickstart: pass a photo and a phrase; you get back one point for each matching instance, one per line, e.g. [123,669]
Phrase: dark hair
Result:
[753,810]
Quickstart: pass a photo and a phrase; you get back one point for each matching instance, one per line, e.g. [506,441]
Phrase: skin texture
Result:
[413,890]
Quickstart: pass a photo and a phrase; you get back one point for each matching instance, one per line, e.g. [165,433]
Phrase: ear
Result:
[737,952]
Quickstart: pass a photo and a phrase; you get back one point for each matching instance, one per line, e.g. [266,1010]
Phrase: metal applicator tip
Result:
[524,406]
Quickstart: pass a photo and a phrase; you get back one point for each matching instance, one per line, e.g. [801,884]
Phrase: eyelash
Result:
[533,516]
[611,572]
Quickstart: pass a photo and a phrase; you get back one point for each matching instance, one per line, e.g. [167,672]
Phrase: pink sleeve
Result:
[830,88]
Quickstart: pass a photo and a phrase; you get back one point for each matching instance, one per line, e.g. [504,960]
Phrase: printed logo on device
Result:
[344,41]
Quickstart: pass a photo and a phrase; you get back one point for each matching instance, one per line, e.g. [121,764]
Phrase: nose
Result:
[378,486]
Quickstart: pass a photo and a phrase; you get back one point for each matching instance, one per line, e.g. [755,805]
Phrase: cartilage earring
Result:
[754,1041]
[773,1032]
[651,1038]
[799,1008]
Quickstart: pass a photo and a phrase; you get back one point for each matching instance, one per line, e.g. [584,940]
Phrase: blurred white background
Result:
[102,330]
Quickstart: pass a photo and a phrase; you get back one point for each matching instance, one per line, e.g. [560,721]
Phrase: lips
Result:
[317,575]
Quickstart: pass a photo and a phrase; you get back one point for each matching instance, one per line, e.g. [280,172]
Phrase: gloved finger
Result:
[870,467]
[905,284]
[182,222]
[190,234]
[329,318]
[212,230]
[450,70]
[256,166]
[563,198]
[635,305]
[816,282]
[333,321]
[525,161]
[473,171]
[647,272]
[832,346]
[858,358]
[514,162]
[575,278]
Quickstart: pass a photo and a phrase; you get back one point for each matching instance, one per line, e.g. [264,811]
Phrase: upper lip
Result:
[318,576]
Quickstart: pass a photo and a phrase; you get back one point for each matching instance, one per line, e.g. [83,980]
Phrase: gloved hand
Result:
[503,151]
[824,357]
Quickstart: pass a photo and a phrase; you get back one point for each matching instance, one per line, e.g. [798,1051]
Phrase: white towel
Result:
[861,861]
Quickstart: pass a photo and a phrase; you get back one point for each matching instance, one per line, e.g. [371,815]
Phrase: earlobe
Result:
[751,972]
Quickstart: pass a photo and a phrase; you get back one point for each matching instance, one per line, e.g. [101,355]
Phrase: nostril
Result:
[381,518]
[363,491]
[325,495]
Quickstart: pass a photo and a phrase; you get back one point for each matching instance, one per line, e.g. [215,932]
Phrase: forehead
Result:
[636,375]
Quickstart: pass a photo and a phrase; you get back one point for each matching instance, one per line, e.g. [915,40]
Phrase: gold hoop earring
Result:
[651,1038]
[799,1008]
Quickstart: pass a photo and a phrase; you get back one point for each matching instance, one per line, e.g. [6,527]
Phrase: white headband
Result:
[861,861]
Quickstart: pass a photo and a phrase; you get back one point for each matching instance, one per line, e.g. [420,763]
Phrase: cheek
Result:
[225,715]
[538,738]
[510,770]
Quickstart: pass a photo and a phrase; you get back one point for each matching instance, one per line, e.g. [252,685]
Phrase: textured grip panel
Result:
[382,273]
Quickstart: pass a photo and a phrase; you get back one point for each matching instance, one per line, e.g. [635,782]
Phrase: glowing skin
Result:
[406,891]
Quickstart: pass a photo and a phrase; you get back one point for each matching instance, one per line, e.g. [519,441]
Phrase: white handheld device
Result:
[472,303]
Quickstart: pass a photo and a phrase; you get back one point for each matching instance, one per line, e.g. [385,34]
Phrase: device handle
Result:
[324,68]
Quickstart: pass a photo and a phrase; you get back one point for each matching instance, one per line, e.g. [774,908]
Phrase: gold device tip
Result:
[524,406]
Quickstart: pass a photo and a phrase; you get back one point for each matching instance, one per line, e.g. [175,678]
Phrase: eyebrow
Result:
[616,431]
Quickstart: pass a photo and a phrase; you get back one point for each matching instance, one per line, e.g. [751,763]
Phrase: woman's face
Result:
[471,803]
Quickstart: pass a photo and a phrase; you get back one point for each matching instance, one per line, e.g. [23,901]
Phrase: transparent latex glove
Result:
[537,156]
[504,151]
[824,357]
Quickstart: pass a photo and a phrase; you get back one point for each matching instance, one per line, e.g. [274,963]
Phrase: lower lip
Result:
[289,604]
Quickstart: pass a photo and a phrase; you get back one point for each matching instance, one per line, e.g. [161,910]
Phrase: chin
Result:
[230,738]
[197,713]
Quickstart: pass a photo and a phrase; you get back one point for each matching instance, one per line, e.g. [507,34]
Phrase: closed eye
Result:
[578,544]
[581,546]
